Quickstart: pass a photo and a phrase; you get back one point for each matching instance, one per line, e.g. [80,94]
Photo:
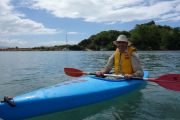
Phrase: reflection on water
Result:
[119,108]
[21,72]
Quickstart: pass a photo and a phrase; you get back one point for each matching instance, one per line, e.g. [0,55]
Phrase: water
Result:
[22,72]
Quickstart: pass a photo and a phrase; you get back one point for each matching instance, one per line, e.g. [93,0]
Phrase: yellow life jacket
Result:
[125,58]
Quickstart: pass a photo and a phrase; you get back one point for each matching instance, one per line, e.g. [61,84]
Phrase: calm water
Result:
[22,72]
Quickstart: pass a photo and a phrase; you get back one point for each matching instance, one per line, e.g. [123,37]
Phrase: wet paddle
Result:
[169,81]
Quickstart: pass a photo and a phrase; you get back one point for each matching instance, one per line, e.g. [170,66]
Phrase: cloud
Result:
[53,43]
[74,33]
[110,11]
[16,23]
[12,42]
[9,42]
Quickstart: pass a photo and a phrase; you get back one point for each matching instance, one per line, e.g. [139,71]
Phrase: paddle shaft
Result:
[135,78]
[120,76]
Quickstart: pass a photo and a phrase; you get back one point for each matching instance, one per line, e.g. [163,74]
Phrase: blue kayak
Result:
[67,95]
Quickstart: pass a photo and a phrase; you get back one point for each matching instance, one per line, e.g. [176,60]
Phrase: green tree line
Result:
[148,36]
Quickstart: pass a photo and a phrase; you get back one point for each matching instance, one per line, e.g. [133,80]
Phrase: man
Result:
[125,60]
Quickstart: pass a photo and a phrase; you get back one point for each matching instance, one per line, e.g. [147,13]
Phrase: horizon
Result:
[34,23]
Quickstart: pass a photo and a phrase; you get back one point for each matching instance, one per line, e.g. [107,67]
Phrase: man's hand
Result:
[128,76]
[99,74]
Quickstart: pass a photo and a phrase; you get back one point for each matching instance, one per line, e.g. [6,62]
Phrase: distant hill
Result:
[148,36]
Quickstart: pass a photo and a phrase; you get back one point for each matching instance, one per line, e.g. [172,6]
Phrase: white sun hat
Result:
[122,38]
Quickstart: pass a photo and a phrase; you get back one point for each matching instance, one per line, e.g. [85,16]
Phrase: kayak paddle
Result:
[169,81]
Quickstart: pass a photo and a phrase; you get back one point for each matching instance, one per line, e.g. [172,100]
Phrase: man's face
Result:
[122,46]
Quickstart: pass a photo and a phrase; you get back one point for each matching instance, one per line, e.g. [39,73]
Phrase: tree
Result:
[146,37]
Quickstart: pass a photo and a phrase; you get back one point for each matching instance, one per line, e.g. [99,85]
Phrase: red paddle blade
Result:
[73,72]
[169,81]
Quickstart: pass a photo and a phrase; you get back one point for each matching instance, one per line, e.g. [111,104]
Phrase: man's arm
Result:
[136,64]
[109,65]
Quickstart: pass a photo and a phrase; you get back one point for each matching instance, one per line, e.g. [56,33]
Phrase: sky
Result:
[33,23]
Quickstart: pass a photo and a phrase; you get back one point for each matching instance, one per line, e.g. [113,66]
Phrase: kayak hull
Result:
[71,94]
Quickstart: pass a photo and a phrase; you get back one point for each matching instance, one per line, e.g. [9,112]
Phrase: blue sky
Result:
[30,23]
